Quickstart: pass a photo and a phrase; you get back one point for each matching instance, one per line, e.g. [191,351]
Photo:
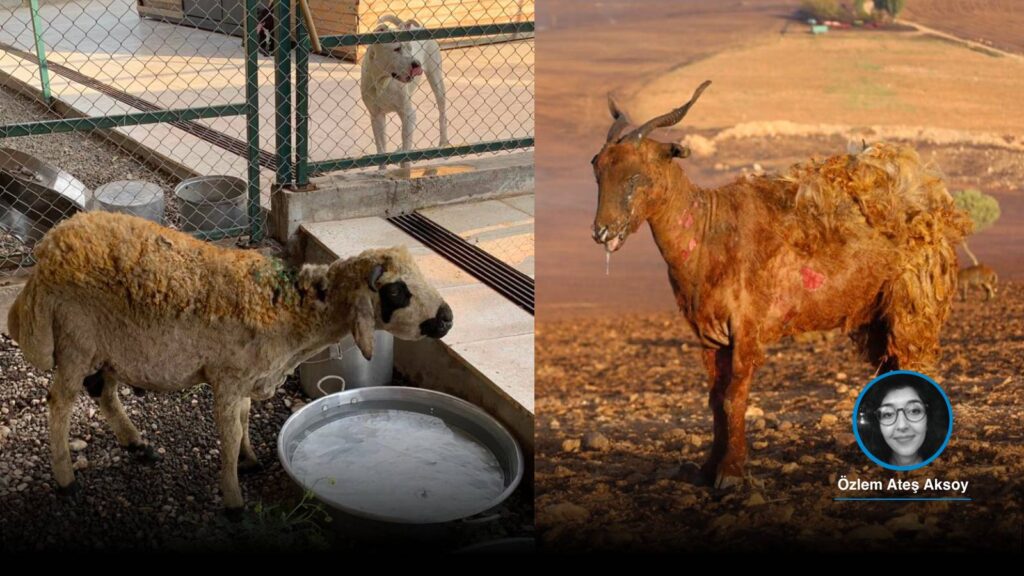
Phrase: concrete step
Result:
[487,358]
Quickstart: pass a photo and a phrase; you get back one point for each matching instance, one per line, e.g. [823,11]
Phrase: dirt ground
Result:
[622,406]
[996,23]
[621,391]
[780,96]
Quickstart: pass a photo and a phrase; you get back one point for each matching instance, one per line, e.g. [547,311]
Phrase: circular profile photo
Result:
[902,420]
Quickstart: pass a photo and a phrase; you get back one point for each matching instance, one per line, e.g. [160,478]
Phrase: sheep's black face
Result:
[397,298]
[396,295]
[393,296]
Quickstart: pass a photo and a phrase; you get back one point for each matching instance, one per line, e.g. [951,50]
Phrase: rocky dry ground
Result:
[622,408]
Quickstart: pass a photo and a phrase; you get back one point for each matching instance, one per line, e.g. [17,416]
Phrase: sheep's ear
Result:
[373,279]
[679,151]
[363,324]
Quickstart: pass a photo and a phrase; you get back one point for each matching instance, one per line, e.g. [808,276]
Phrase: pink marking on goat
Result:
[812,280]
[693,244]
[688,221]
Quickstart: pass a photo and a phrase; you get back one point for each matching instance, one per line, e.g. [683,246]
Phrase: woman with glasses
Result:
[904,420]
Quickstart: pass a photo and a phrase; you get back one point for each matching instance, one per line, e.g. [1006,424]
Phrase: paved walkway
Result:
[491,335]
[489,88]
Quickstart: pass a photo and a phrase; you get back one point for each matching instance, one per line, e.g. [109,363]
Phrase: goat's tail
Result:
[30,324]
[915,211]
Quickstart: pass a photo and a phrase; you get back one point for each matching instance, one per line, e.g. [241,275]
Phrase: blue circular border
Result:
[856,432]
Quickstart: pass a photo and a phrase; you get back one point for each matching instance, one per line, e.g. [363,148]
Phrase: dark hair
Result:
[938,415]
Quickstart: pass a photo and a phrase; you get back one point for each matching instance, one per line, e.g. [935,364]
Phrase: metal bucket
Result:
[210,203]
[135,197]
[401,462]
[341,366]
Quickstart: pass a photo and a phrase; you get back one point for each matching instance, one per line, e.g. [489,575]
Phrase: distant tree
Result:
[893,7]
[982,208]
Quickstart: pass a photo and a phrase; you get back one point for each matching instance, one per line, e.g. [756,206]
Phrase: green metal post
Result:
[302,47]
[37,32]
[252,101]
[283,94]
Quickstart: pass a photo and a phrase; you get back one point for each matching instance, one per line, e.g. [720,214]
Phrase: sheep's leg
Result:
[66,384]
[247,461]
[227,410]
[747,357]
[718,363]
[127,434]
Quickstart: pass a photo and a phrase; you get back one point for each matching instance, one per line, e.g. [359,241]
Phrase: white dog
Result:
[390,77]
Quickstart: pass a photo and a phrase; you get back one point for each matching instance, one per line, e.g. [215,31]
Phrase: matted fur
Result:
[861,242]
[132,302]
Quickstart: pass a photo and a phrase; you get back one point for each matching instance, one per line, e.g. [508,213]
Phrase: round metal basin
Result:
[209,203]
[401,455]
[35,195]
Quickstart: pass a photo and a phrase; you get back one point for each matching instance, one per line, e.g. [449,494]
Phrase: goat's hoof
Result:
[144,454]
[249,467]
[69,490]
[234,514]
[727,482]
[691,473]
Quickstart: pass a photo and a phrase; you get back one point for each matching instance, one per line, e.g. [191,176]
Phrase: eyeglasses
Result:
[914,411]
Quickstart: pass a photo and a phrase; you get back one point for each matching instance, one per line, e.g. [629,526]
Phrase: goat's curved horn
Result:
[665,120]
[620,120]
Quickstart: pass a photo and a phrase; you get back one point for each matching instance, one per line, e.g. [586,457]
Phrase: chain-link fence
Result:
[386,83]
[127,106]
[412,81]
[158,107]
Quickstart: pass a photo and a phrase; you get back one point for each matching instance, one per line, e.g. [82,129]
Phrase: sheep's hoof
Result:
[69,490]
[144,454]
[234,514]
[249,467]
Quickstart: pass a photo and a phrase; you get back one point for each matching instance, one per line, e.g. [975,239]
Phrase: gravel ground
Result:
[90,158]
[174,504]
[622,417]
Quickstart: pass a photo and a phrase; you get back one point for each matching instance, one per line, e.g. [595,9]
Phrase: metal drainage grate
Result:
[506,280]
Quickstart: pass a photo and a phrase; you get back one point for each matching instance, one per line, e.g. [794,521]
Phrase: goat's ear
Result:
[363,324]
[678,151]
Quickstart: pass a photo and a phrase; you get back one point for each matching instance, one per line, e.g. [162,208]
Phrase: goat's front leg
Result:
[227,411]
[718,363]
[747,357]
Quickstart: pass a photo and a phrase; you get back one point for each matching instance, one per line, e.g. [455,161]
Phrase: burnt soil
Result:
[622,414]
